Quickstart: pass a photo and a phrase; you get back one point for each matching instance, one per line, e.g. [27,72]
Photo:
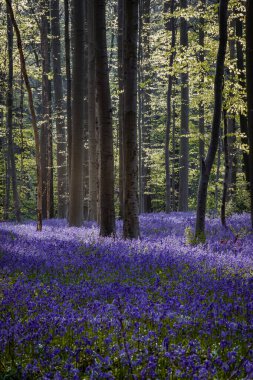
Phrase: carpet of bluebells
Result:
[74,305]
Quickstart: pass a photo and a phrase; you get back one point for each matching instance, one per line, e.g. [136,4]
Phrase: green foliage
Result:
[239,202]
[193,239]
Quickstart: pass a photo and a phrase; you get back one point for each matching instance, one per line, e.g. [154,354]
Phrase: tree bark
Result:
[242,81]
[9,121]
[106,161]
[130,220]
[78,93]
[227,170]
[46,127]
[201,103]
[68,76]
[86,132]
[170,26]
[60,120]
[207,164]
[249,81]
[93,170]
[146,110]
[33,115]
[121,4]
[184,140]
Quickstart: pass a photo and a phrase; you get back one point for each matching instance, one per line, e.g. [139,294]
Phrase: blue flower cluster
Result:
[74,305]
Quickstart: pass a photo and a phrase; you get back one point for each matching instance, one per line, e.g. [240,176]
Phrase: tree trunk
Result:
[140,107]
[208,163]
[146,111]
[173,174]
[242,81]
[170,26]
[231,124]
[227,170]
[60,120]
[121,104]
[106,162]
[46,127]
[9,121]
[184,141]
[85,149]
[202,75]
[33,115]
[217,176]
[78,93]
[249,80]
[130,220]
[68,76]
[93,170]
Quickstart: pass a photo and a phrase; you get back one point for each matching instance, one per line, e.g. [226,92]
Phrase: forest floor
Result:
[74,305]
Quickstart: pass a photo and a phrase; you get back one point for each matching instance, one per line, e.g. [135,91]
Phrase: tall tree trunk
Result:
[218,170]
[106,162]
[208,162]
[227,170]
[21,127]
[60,121]
[121,104]
[249,80]
[9,106]
[140,80]
[33,115]
[173,174]
[232,156]
[46,127]
[202,75]
[78,93]
[130,220]
[7,186]
[68,76]
[242,81]
[170,26]
[184,141]
[146,111]
[93,170]
[86,132]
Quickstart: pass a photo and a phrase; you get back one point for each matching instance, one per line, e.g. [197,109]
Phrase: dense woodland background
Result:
[114,108]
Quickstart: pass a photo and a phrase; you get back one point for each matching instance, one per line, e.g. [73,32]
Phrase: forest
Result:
[126,189]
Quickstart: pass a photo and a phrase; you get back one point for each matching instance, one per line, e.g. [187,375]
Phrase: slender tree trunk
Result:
[9,106]
[249,80]
[7,186]
[121,104]
[46,127]
[202,75]
[68,76]
[207,164]
[33,114]
[170,26]
[93,170]
[184,141]
[146,111]
[78,94]
[106,162]
[21,127]
[60,120]
[242,81]
[173,174]
[227,170]
[231,124]
[130,220]
[217,176]
[86,132]
[140,80]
